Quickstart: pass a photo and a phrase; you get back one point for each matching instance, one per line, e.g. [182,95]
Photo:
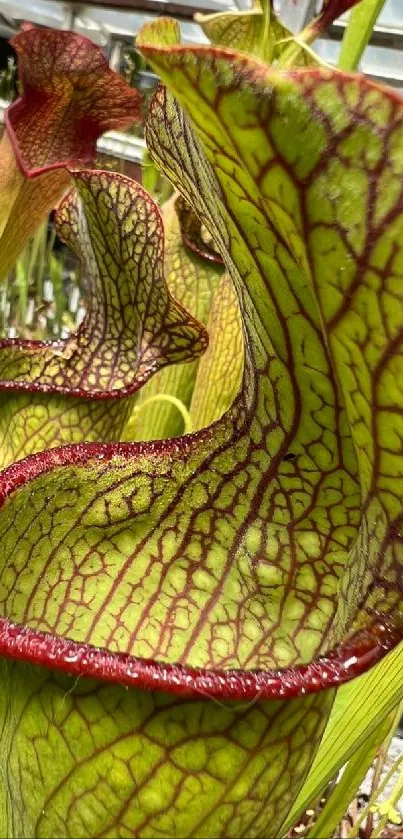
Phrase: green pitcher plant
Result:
[177,613]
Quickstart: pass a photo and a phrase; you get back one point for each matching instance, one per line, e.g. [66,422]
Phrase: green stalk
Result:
[159,397]
[389,806]
[56,276]
[358,32]
[346,788]
[40,258]
[380,764]
[154,181]
[22,281]
[265,6]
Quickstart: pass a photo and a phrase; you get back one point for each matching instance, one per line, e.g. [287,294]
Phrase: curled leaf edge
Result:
[350,658]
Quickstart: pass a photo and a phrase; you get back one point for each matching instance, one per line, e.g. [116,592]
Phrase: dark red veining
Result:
[39,88]
[86,328]
[348,660]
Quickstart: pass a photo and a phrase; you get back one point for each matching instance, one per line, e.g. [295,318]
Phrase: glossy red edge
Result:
[206,255]
[75,392]
[349,659]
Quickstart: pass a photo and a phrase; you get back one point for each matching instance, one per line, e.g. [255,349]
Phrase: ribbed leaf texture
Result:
[259,559]
[132,327]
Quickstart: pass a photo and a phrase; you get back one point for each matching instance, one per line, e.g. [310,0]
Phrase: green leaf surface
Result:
[86,759]
[273,535]
[338,250]
[132,328]
[359,711]
[192,279]
[219,373]
[35,422]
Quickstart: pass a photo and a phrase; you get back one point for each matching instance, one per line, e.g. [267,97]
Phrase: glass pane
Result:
[391,16]
[382,62]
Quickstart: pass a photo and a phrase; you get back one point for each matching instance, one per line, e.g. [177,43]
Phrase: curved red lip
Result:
[348,660]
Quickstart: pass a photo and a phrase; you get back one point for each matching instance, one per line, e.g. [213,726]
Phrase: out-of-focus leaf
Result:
[69,98]
[255,31]
[165,29]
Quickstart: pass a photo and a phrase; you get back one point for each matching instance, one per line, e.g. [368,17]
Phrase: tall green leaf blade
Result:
[358,32]
[348,785]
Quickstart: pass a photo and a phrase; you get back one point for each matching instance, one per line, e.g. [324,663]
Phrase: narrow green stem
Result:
[165,397]
[390,802]
[353,833]
[358,32]
[265,4]
[380,763]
